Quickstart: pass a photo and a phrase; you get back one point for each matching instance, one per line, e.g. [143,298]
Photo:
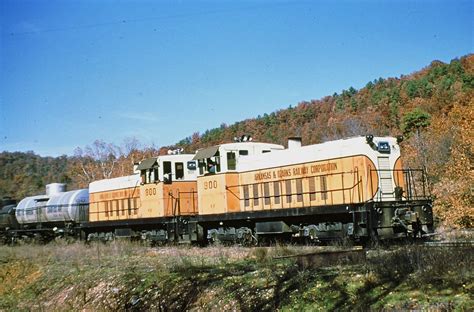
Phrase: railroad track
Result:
[459,243]
[357,254]
[327,257]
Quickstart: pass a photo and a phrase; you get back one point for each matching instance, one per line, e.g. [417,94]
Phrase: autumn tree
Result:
[96,161]
[414,121]
[454,190]
[131,152]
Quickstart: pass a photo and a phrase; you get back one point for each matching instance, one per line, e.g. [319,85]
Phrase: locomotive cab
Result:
[224,158]
[167,168]
[218,177]
[168,185]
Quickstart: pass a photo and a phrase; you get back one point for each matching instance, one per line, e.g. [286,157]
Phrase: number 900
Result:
[150,191]
[210,185]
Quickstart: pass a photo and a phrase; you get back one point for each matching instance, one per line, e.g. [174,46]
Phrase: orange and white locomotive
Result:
[247,192]
[147,204]
[353,188]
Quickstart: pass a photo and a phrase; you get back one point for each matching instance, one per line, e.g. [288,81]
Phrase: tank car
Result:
[56,213]
[8,222]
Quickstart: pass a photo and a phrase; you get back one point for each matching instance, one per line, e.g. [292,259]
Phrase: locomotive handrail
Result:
[178,200]
[409,180]
[357,184]
[305,177]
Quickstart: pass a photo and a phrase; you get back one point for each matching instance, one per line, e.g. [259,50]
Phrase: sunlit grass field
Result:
[121,275]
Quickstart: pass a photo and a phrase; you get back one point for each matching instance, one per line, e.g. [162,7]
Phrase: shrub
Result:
[423,265]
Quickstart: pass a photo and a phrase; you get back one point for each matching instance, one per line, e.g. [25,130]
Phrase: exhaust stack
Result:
[294,142]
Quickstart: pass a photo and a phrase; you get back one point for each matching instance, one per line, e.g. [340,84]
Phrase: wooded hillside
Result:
[433,108]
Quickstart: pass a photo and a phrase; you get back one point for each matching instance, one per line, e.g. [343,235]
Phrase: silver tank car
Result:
[57,206]
[29,209]
[65,206]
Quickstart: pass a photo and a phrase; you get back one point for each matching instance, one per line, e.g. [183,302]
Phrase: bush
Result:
[423,265]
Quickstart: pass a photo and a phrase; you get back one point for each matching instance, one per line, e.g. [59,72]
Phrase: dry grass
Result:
[126,276]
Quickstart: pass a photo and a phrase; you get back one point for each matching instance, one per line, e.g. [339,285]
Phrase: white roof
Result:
[252,147]
[114,184]
[309,153]
[175,158]
[255,146]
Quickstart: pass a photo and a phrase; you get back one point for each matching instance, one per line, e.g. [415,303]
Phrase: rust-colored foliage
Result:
[441,95]
[442,142]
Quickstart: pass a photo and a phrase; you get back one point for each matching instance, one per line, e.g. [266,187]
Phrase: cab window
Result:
[231,161]
[179,169]
[155,174]
[202,166]
[167,170]
[211,165]
[143,176]
[217,160]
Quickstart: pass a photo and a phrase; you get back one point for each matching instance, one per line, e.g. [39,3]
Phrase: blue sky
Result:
[75,71]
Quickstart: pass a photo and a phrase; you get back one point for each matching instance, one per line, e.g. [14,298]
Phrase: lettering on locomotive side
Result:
[113,195]
[324,167]
[263,175]
[284,173]
[294,172]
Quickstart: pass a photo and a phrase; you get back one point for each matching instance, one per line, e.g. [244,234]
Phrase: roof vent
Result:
[294,142]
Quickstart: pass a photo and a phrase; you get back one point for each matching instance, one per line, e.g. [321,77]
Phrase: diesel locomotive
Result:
[243,192]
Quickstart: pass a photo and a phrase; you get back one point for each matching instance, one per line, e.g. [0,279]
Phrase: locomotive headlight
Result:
[369,138]
[383,147]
